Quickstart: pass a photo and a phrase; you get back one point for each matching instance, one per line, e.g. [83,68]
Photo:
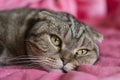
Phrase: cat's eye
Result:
[55,40]
[81,52]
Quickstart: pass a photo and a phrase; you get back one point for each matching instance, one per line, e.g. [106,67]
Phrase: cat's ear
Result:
[98,37]
[44,14]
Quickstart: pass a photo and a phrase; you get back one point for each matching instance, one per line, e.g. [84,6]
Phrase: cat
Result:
[55,41]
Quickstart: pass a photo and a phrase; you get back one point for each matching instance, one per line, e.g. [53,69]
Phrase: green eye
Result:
[55,40]
[81,52]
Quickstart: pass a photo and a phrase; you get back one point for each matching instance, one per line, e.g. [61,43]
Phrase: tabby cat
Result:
[55,41]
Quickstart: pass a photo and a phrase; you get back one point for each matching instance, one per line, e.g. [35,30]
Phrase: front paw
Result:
[68,67]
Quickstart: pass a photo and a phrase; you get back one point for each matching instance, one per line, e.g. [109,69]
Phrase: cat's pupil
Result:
[55,40]
[84,51]
[81,52]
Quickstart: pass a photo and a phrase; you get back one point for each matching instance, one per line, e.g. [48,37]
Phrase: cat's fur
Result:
[25,36]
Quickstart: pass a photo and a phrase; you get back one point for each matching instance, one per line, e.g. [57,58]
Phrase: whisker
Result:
[14,62]
[23,60]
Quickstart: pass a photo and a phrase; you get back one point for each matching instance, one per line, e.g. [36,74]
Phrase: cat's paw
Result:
[68,67]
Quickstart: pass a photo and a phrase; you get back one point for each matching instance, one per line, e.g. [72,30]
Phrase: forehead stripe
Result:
[76,30]
[72,27]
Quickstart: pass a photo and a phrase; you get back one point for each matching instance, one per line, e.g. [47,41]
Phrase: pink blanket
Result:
[104,15]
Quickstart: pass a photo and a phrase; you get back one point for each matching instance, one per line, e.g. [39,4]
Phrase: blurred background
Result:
[103,15]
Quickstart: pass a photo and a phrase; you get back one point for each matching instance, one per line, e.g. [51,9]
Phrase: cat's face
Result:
[59,41]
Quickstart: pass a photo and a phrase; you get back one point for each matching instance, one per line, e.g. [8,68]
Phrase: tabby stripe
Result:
[72,27]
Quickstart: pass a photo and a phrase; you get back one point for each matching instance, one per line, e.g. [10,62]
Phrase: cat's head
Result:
[59,41]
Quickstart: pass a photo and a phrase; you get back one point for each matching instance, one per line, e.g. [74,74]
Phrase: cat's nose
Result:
[65,61]
[66,56]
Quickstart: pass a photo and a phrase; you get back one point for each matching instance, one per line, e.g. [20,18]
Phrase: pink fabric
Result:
[104,15]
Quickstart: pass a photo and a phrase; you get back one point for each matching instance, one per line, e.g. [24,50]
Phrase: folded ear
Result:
[98,37]
[44,14]
[38,15]
[50,15]
[35,17]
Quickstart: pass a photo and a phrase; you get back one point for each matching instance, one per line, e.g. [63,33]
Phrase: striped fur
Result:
[31,39]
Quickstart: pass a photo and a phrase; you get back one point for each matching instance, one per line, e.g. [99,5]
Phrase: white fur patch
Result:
[68,67]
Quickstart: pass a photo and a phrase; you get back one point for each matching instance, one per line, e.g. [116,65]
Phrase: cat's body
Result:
[13,32]
[52,40]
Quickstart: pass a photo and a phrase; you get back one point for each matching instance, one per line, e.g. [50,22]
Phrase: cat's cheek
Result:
[68,67]
[50,66]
